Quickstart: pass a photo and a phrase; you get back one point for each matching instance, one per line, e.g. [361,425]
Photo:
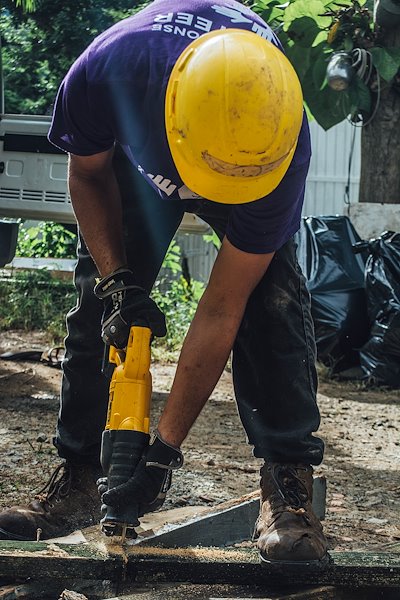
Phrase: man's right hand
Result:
[126,303]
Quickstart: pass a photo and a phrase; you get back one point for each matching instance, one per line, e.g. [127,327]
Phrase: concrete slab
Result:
[370,219]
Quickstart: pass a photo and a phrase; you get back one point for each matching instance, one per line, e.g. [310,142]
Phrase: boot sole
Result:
[309,565]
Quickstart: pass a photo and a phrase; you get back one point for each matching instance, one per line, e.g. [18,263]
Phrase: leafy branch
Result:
[312,31]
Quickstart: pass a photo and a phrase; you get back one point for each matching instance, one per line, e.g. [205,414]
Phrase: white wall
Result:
[329,168]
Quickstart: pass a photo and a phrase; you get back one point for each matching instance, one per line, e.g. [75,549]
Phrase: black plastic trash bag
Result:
[335,279]
[380,356]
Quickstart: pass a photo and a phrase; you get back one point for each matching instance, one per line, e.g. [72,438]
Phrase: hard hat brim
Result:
[232,190]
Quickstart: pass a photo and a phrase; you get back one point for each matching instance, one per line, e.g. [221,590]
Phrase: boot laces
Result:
[58,486]
[289,486]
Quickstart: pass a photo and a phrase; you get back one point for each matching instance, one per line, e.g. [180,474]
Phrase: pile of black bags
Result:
[380,355]
[355,297]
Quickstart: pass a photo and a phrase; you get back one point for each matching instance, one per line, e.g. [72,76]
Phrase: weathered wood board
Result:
[187,591]
[242,565]
[197,565]
[47,561]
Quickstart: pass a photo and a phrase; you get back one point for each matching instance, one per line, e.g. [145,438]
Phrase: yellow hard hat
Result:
[233,113]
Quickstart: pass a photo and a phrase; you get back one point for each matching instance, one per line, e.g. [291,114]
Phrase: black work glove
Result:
[126,304]
[151,480]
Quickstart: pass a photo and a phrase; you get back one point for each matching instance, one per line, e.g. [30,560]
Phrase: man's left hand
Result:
[151,480]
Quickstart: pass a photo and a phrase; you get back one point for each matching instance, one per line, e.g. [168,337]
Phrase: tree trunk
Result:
[380,143]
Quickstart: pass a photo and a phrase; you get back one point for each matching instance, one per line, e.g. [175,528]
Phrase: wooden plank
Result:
[185,591]
[242,565]
[48,561]
[197,565]
[319,593]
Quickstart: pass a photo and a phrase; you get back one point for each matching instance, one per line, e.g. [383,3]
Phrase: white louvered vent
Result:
[32,195]
[9,194]
[55,197]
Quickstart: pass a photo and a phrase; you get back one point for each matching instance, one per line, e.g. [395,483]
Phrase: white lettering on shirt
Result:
[163,184]
[262,31]
[188,24]
[203,24]
[175,30]
[164,18]
[182,18]
[233,14]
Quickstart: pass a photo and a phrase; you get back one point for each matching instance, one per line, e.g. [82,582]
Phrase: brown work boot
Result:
[287,529]
[68,501]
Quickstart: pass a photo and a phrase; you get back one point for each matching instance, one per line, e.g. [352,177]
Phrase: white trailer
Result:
[33,180]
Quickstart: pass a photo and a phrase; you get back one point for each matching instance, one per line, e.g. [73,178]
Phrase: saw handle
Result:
[128,422]
[120,453]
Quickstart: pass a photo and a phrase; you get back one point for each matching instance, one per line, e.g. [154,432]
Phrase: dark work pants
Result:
[274,353]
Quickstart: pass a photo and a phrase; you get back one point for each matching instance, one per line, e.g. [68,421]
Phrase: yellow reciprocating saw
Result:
[128,424]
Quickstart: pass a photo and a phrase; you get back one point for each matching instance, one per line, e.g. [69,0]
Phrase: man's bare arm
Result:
[97,205]
[210,338]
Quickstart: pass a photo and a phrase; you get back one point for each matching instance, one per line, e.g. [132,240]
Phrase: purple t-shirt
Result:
[115,92]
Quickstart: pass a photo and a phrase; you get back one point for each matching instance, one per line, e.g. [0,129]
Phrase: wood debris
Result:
[69,595]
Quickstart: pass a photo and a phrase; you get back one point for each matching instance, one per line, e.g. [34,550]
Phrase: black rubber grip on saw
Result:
[121,451]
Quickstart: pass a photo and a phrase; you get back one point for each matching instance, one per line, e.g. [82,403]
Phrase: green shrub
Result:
[178,300]
[34,300]
[47,240]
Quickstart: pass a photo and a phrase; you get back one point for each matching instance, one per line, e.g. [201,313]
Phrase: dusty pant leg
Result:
[84,389]
[274,366]
[150,223]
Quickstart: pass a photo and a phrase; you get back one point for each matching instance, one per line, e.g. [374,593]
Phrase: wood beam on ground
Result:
[198,565]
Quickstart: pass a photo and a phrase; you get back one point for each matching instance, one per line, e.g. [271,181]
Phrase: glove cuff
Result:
[120,280]
[162,455]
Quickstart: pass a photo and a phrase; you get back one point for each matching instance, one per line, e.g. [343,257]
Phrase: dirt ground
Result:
[361,428]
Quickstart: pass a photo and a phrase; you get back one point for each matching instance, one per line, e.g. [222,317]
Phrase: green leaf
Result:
[212,238]
[348,44]
[307,8]
[277,13]
[300,59]
[360,95]
[333,4]
[327,106]
[319,71]
[269,10]
[320,39]
[303,31]
[386,61]
[172,260]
